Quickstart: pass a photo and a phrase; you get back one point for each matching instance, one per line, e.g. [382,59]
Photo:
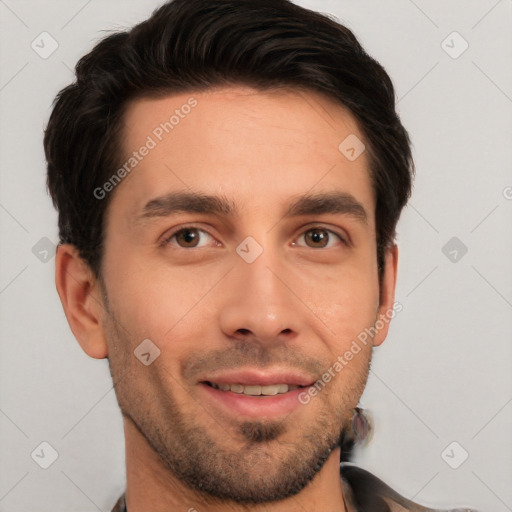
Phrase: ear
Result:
[79,292]
[386,311]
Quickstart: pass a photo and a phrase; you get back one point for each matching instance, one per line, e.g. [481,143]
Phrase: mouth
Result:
[254,390]
[254,393]
[251,401]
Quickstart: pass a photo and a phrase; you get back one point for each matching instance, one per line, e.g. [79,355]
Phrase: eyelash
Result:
[167,240]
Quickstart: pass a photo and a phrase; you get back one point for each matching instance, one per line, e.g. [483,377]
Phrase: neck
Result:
[151,486]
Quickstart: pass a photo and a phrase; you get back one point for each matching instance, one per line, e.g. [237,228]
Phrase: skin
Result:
[298,306]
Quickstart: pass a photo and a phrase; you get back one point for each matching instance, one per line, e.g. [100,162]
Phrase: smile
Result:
[254,390]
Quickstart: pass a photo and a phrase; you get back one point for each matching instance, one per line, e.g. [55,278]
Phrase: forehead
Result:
[253,146]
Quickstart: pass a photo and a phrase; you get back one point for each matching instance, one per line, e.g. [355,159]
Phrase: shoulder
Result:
[370,494]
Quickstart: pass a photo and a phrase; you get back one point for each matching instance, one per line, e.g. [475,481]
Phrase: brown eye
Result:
[188,238]
[317,238]
[320,238]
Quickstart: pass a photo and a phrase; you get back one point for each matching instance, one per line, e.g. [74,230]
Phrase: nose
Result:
[258,302]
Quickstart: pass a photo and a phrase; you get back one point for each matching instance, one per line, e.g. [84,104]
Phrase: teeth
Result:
[274,389]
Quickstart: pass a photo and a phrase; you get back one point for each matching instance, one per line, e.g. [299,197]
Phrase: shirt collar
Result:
[348,497]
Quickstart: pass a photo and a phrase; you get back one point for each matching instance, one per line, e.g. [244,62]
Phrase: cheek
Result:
[345,299]
[351,324]
[159,303]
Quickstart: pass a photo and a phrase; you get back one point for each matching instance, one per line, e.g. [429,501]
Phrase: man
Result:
[229,175]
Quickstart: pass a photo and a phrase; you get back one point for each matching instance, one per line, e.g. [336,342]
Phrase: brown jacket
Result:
[363,492]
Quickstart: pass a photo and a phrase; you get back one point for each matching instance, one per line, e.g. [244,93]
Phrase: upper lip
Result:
[253,377]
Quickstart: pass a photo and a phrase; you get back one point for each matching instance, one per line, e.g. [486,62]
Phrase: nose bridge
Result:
[258,300]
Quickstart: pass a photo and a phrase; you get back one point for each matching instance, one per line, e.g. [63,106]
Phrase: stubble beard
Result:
[269,467]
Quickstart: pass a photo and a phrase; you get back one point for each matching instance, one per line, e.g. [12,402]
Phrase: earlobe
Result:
[78,291]
[386,309]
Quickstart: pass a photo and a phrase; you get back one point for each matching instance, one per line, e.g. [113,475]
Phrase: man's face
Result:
[195,284]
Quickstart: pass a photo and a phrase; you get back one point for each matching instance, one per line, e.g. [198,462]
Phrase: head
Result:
[207,203]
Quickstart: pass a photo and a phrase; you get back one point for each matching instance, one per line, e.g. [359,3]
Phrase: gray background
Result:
[443,374]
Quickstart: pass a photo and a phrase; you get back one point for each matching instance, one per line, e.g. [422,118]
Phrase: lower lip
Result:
[255,406]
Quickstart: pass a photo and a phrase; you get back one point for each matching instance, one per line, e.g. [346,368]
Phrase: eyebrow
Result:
[307,204]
